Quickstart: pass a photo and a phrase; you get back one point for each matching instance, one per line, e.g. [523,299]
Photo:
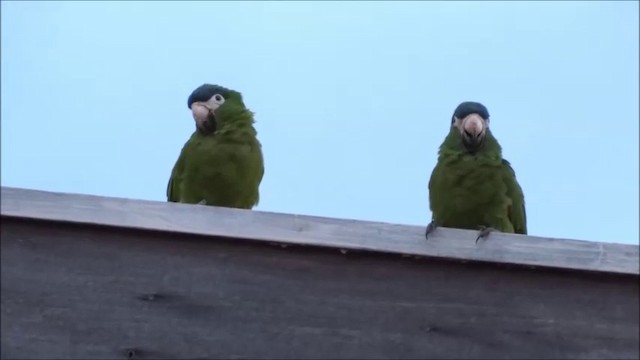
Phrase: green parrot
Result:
[221,164]
[472,186]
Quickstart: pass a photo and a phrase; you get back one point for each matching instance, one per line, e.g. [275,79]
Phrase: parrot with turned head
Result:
[221,164]
[472,186]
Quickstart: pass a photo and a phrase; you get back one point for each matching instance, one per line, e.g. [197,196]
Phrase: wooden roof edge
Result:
[454,244]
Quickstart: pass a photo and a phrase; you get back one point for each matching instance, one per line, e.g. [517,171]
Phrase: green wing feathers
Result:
[222,172]
[516,212]
[173,186]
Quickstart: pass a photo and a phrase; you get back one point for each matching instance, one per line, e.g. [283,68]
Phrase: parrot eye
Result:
[218,99]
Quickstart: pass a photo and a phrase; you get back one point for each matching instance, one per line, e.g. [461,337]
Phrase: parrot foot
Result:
[202,202]
[432,226]
[484,232]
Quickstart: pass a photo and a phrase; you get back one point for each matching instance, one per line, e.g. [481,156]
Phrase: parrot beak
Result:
[205,117]
[472,129]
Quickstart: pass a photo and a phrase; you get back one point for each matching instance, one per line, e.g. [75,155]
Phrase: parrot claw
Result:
[202,202]
[432,226]
[484,232]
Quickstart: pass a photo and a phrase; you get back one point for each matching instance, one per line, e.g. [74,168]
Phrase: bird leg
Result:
[484,232]
[432,226]
[202,202]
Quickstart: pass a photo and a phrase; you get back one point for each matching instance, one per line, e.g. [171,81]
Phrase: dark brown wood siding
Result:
[81,291]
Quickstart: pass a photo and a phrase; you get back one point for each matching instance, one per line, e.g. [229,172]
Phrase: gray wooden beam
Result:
[341,234]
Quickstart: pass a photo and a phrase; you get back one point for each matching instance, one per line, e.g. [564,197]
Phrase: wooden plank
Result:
[317,231]
[78,291]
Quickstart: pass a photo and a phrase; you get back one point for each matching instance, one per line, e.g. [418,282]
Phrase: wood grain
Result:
[88,292]
[317,231]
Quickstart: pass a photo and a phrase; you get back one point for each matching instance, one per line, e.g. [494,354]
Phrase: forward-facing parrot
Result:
[221,164]
[472,186]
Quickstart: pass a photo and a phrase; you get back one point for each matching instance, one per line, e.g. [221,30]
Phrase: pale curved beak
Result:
[473,128]
[204,115]
[200,112]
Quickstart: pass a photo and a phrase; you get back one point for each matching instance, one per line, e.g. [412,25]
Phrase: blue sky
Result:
[352,100]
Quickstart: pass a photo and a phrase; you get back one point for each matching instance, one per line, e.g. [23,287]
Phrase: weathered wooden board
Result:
[86,292]
[316,231]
